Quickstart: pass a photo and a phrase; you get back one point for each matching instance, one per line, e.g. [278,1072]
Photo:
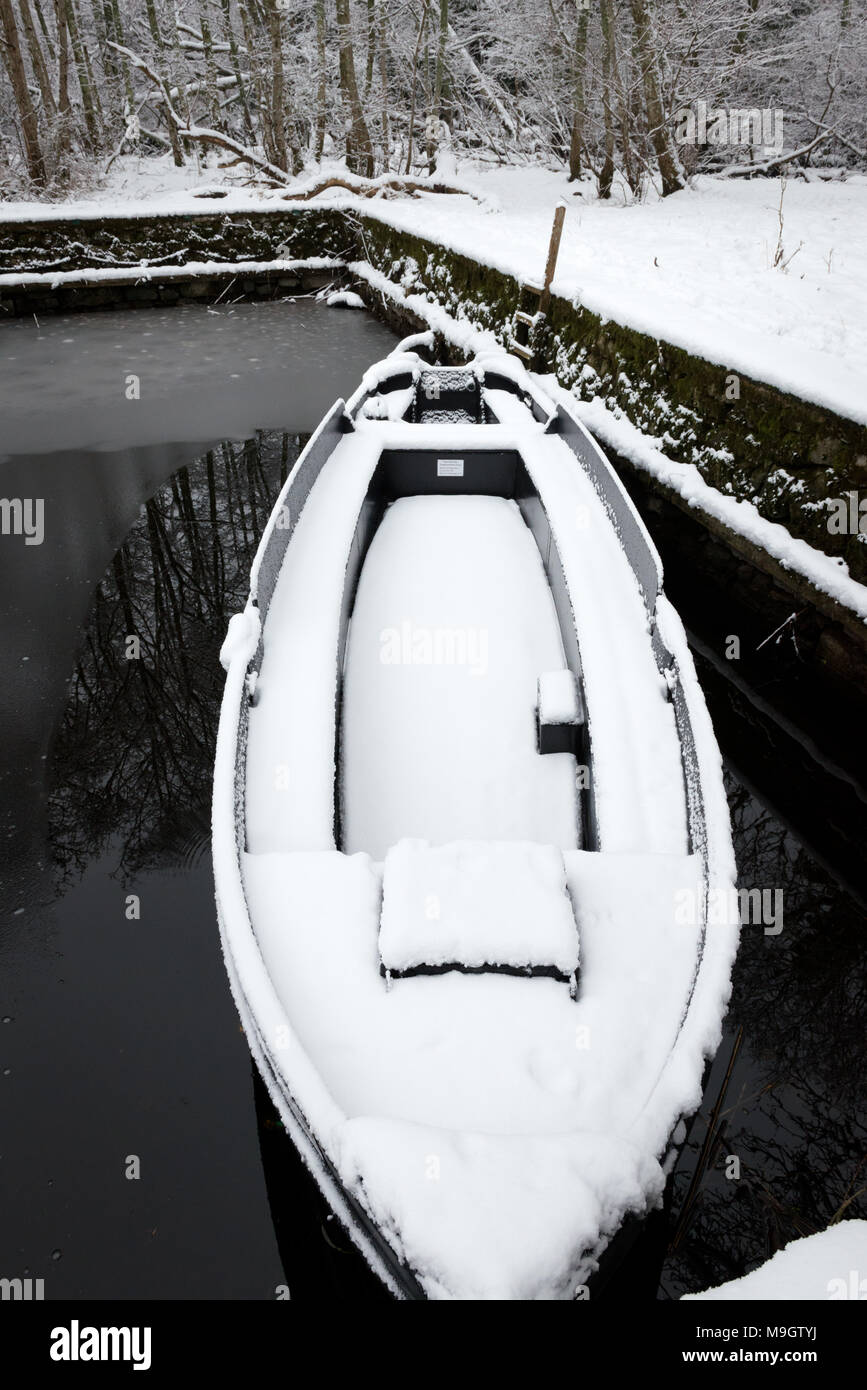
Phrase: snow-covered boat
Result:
[468,817]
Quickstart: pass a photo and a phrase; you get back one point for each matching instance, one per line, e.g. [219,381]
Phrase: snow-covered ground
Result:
[696,269]
[827,1265]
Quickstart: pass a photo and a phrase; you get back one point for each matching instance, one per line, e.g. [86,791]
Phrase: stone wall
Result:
[170,239]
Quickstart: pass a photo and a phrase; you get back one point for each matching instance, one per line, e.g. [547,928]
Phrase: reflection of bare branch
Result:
[136,748]
[796,1126]
[709,1147]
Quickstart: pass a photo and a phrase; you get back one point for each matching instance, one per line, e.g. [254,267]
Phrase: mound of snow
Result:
[344,299]
[476,904]
[826,1265]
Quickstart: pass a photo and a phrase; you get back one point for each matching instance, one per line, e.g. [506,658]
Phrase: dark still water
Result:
[120,1051]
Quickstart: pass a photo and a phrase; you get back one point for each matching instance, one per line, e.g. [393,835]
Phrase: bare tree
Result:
[36,59]
[14,63]
[383,81]
[89,97]
[606,175]
[359,151]
[62,80]
[157,37]
[666,157]
[579,59]
[322,83]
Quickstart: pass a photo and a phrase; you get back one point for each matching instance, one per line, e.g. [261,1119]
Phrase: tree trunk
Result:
[606,175]
[383,82]
[359,151]
[117,26]
[666,156]
[110,57]
[322,88]
[260,82]
[14,63]
[82,67]
[371,47]
[94,85]
[211,88]
[421,29]
[62,80]
[45,30]
[278,127]
[439,79]
[229,31]
[157,37]
[631,164]
[102,35]
[37,61]
[579,58]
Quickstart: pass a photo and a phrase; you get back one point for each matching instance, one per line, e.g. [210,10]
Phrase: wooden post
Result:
[526,322]
[553,251]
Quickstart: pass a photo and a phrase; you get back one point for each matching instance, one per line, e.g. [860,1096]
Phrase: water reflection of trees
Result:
[134,753]
[793,1110]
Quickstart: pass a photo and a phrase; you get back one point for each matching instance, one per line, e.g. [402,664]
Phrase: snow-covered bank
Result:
[695,269]
[114,275]
[822,1266]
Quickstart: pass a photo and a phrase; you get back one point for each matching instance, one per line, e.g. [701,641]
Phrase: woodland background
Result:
[409,87]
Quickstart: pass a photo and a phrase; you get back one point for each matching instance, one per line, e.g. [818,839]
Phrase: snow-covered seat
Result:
[477,906]
[449,395]
[560,713]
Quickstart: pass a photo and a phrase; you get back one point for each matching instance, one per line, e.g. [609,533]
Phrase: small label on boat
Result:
[450,468]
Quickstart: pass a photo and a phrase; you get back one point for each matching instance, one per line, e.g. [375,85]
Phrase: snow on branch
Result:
[368,188]
[365,188]
[202,134]
[470,66]
[765,167]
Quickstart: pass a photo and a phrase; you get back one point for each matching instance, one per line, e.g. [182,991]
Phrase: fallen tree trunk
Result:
[365,188]
[368,188]
[745,170]
[198,133]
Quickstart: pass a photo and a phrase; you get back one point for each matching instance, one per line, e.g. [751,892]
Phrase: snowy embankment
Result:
[822,1266]
[124,274]
[695,269]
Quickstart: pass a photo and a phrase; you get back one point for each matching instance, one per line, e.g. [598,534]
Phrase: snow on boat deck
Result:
[640,795]
[495,1053]
[522,1098]
[453,625]
[290,749]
